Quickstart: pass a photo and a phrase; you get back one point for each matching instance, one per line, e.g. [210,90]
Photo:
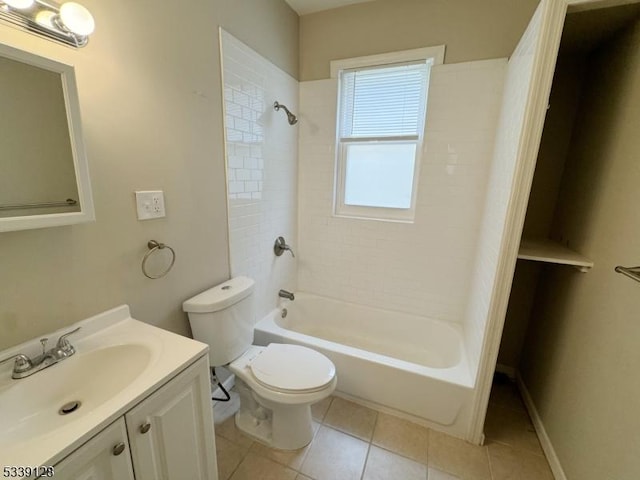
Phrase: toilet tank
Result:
[223,318]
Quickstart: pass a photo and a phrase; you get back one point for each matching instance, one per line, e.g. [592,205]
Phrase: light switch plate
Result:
[150,204]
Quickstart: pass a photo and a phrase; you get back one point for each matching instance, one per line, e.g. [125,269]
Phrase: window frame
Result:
[433,54]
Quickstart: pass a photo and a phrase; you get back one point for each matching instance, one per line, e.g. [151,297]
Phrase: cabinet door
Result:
[105,457]
[171,432]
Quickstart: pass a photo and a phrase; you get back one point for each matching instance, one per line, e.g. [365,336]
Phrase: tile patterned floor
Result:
[352,442]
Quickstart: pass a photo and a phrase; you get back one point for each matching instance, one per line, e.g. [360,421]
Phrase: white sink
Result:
[32,404]
[118,362]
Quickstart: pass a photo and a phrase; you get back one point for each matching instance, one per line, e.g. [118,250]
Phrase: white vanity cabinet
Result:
[104,457]
[167,436]
[171,431]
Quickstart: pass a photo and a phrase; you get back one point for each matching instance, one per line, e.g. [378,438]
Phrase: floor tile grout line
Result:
[366,459]
[237,445]
[322,422]
[426,463]
[330,427]
[308,447]
[324,415]
[233,472]
[518,449]
[447,471]
[386,449]
[372,443]
[337,429]
[524,413]
[489,462]
[428,445]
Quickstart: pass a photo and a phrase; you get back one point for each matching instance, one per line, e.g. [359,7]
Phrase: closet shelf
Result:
[540,250]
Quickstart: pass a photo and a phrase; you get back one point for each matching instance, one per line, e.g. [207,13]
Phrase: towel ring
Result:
[154,247]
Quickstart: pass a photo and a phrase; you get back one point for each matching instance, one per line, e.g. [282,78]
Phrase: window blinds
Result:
[383,102]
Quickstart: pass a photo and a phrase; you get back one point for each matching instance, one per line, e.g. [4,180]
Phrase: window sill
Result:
[373,219]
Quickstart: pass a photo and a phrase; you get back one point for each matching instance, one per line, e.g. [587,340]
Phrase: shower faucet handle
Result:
[281,246]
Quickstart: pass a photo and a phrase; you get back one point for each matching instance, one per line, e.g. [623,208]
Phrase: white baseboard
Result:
[507,370]
[545,441]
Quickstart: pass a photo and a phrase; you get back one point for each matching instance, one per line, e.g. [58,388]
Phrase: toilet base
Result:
[280,426]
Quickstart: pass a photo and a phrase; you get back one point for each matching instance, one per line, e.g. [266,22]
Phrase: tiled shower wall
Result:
[262,152]
[424,267]
[483,273]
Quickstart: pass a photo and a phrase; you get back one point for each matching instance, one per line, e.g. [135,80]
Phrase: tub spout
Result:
[285,294]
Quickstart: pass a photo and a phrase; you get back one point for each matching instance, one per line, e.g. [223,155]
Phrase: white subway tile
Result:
[256,215]
[409,267]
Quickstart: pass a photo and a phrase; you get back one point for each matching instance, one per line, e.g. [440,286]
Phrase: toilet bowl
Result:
[277,386]
[277,383]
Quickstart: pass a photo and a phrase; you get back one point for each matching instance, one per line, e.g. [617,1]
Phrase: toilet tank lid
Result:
[220,297]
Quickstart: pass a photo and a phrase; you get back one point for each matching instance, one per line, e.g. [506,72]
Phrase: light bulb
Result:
[77,18]
[46,18]
[19,4]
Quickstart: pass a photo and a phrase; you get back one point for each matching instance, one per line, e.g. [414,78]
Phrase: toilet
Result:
[277,384]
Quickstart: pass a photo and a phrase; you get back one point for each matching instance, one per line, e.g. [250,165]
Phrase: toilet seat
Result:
[292,369]
[277,385]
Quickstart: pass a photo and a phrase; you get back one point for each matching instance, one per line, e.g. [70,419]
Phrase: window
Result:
[381,114]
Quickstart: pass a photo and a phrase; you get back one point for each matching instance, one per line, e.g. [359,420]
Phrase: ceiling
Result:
[310,6]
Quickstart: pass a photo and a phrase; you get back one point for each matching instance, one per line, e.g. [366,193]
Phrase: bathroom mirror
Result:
[44,177]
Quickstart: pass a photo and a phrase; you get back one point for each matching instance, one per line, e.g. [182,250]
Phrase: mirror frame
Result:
[80,164]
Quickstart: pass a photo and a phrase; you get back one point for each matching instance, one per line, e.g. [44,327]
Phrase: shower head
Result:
[290,116]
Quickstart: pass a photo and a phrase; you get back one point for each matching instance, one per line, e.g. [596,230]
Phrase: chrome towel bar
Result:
[69,202]
[631,272]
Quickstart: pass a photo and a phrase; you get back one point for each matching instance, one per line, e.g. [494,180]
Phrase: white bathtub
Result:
[405,363]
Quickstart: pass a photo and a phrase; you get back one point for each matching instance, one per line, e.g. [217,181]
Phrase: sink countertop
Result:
[103,345]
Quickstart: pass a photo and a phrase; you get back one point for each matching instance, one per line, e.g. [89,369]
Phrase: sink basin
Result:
[32,405]
[118,362]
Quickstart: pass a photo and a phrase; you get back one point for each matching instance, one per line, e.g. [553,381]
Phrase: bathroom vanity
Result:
[132,403]
[164,436]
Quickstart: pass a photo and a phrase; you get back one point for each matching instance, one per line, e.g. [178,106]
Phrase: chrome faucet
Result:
[25,366]
[286,294]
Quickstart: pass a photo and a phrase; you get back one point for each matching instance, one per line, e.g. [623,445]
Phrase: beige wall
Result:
[151,102]
[564,102]
[471,30]
[581,356]
[554,146]
[270,27]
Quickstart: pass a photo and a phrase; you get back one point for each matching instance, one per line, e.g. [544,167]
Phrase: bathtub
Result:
[394,361]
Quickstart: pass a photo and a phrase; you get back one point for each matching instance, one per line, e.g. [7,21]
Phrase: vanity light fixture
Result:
[69,23]
[19,4]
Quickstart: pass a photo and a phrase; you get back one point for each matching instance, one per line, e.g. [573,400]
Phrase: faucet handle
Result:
[22,363]
[280,246]
[63,344]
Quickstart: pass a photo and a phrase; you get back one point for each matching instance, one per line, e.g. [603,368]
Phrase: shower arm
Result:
[290,116]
